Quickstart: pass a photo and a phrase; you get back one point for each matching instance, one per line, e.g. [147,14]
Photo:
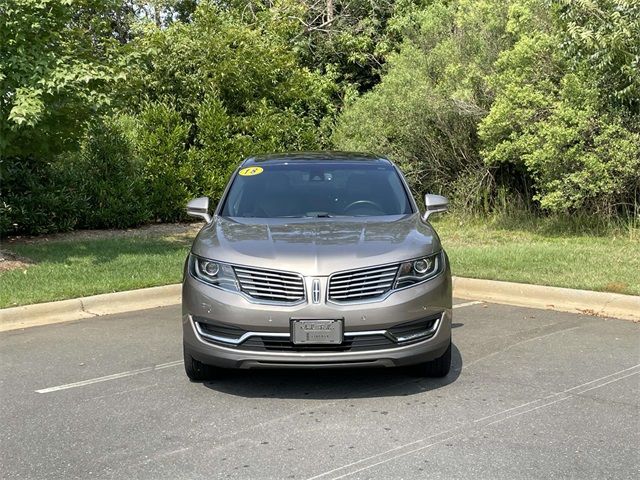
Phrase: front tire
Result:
[195,370]
[437,368]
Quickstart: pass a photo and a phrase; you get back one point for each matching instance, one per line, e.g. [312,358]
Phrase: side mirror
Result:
[199,207]
[434,204]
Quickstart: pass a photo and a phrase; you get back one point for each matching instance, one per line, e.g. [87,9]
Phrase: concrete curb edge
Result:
[88,307]
[614,305]
[602,304]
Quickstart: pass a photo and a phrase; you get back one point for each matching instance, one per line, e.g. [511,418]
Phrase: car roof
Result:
[330,156]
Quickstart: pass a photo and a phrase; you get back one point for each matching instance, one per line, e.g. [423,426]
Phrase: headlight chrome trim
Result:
[195,270]
[434,263]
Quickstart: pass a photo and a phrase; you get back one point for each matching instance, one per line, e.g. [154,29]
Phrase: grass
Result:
[544,252]
[67,269]
[528,250]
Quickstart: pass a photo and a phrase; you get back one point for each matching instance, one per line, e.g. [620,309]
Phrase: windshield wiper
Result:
[318,214]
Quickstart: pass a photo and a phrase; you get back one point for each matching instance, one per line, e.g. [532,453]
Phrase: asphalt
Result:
[533,394]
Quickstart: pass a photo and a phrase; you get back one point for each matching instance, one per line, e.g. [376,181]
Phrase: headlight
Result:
[213,273]
[418,270]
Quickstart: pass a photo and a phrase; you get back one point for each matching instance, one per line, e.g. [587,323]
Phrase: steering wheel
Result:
[361,203]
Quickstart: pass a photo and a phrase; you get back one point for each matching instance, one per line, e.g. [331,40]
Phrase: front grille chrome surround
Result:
[370,340]
[362,284]
[270,285]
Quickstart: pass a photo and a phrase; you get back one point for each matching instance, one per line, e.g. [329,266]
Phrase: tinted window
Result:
[318,189]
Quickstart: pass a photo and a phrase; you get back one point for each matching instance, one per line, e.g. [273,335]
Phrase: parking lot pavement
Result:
[533,394]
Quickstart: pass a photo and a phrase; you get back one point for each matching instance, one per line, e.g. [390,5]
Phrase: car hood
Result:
[316,246]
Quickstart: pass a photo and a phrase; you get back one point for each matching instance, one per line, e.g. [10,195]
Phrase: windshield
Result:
[317,189]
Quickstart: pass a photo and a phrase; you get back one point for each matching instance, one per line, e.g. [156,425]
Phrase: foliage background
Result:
[114,113]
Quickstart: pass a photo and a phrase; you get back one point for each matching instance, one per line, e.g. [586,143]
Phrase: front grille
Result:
[350,344]
[281,287]
[363,284]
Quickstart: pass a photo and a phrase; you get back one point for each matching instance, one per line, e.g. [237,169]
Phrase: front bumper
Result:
[204,306]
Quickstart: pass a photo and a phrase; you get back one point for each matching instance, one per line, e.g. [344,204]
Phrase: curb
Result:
[601,304]
[88,307]
[614,305]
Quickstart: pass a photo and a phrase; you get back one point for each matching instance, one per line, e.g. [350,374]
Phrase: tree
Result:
[555,121]
[213,92]
[349,38]
[57,66]
[163,12]
[424,113]
[605,35]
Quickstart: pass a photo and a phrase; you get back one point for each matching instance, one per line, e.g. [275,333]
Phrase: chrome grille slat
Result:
[375,273]
[270,295]
[354,285]
[275,289]
[368,271]
[358,295]
[386,277]
[257,278]
[265,273]
[362,284]
[362,289]
[267,290]
[270,285]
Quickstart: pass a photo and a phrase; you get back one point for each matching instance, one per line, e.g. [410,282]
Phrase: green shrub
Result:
[110,179]
[99,186]
[222,89]
[37,197]
[551,122]
[223,140]
[161,147]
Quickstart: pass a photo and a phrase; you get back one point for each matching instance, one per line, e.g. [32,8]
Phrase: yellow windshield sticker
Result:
[249,171]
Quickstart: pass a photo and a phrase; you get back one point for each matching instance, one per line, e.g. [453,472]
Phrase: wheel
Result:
[195,370]
[436,368]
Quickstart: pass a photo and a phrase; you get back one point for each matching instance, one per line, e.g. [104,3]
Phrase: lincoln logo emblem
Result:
[315,290]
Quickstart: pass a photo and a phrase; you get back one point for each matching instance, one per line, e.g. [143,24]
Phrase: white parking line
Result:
[109,377]
[508,347]
[366,464]
[130,373]
[466,304]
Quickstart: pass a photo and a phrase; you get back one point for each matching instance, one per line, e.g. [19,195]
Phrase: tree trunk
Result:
[329,12]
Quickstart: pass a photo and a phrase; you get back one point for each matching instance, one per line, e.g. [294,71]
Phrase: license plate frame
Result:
[317,331]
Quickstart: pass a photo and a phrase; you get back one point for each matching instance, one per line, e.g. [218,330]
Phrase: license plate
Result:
[316,332]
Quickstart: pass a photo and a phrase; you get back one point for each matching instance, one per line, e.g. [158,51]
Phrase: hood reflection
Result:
[316,246]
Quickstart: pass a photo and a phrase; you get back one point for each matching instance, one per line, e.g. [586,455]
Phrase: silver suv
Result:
[317,259]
